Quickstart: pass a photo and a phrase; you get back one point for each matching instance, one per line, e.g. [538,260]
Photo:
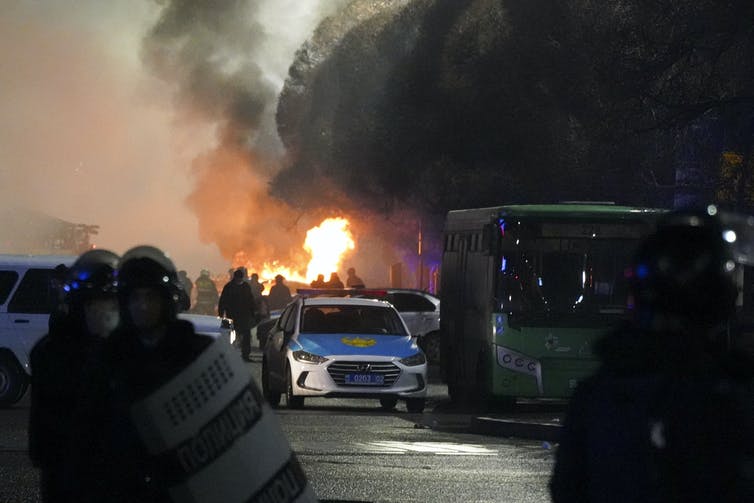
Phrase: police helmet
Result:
[94,274]
[147,266]
[685,269]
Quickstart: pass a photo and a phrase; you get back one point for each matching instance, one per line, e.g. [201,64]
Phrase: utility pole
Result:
[421,259]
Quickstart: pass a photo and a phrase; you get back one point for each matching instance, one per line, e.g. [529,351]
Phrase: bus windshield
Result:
[562,276]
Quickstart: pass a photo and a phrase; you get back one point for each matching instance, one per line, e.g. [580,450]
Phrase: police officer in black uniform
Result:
[91,314]
[149,348]
[669,415]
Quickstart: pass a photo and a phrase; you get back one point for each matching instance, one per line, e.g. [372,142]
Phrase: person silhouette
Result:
[353,281]
[668,416]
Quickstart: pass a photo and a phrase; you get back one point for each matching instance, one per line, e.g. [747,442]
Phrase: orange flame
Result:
[327,244]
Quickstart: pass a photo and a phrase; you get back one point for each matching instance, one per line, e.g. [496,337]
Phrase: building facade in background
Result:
[30,232]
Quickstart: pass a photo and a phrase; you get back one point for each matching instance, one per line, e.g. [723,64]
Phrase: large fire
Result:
[327,244]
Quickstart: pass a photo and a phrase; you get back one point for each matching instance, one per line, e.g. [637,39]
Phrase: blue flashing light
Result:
[501,224]
[83,275]
[539,281]
[67,288]
[642,271]
[504,265]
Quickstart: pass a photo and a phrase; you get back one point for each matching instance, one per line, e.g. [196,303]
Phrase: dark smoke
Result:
[431,105]
[408,108]
[204,48]
[212,53]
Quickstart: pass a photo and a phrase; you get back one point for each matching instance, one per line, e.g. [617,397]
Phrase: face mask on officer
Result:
[102,316]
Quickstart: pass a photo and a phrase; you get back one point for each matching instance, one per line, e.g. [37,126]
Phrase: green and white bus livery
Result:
[526,290]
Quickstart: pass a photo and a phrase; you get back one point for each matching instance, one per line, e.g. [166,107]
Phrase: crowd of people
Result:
[209,301]
[352,281]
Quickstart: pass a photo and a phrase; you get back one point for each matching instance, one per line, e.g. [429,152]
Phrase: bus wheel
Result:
[482,394]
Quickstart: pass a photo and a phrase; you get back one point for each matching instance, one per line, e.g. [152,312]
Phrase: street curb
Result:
[508,428]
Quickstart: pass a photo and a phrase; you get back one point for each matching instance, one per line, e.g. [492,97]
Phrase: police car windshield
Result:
[341,319]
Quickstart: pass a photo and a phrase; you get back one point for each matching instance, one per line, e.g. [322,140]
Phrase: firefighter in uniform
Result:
[206,294]
[668,416]
[57,361]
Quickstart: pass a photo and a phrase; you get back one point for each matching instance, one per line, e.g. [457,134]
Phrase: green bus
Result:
[526,290]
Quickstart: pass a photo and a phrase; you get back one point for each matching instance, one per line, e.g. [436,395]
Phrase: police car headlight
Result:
[307,357]
[417,359]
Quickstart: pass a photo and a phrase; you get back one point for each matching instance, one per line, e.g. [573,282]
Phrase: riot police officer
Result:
[151,346]
[668,416]
[57,361]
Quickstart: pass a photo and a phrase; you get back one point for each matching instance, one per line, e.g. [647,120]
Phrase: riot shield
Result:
[214,439]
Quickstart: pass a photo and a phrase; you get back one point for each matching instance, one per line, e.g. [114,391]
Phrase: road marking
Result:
[438,448]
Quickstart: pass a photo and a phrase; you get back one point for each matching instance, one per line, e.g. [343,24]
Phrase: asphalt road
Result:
[353,451]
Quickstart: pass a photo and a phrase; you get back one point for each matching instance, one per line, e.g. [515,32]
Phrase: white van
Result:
[26,301]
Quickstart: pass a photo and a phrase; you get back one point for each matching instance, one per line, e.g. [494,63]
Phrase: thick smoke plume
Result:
[396,111]
[226,63]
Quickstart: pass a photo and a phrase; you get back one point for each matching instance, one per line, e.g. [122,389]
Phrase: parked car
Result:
[26,301]
[343,347]
[421,312]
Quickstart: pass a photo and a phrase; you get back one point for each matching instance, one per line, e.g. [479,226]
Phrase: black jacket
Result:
[117,464]
[279,296]
[660,421]
[237,302]
[57,361]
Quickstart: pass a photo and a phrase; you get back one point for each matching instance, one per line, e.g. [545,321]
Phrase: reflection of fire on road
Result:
[327,245]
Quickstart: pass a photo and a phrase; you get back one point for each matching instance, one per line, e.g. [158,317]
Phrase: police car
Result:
[343,347]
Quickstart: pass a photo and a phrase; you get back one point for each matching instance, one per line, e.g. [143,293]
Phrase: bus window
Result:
[561,276]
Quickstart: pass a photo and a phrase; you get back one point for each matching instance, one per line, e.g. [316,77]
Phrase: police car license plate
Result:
[365,379]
